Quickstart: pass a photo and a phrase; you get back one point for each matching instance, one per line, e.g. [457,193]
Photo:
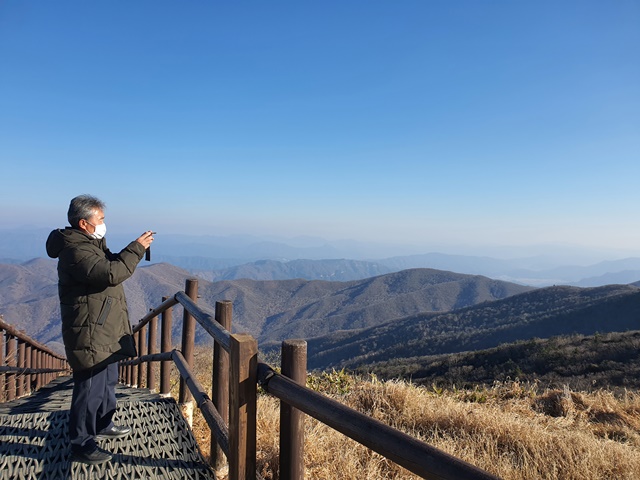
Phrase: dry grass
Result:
[511,430]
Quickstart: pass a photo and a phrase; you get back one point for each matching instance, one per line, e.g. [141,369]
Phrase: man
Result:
[95,323]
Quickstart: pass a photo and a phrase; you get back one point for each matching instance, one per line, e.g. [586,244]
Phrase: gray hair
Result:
[83,207]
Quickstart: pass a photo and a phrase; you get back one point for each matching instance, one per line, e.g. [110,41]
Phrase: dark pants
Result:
[92,405]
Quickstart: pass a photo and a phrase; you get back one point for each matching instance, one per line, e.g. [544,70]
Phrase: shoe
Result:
[113,432]
[91,457]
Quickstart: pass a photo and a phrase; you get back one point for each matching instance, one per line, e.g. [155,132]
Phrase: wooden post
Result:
[44,379]
[20,378]
[294,366]
[34,364]
[134,368]
[3,348]
[188,338]
[27,364]
[220,380]
[39,377]
[48,365]
[43,363]
[142,350]
[242,407]
[165,346]
[11,362]
[129,375]
[153,348]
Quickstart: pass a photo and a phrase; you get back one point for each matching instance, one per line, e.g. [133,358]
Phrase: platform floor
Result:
[34,442]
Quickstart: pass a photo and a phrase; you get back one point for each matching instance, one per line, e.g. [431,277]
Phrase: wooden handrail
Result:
[30,371]
[241,430]
[206,320]
[20,335]
[25,363]
[237,440]
[414,455]
[209,412]
[165,305]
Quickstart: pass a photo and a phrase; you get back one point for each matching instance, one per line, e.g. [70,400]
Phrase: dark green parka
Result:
[95,322]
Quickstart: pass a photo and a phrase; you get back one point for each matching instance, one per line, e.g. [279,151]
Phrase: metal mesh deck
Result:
[34,442]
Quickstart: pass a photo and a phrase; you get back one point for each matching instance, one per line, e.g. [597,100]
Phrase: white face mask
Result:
[100,231]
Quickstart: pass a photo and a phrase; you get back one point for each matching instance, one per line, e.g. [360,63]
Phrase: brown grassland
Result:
[512,430]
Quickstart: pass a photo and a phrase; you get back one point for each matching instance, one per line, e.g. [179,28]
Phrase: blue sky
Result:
[435,123]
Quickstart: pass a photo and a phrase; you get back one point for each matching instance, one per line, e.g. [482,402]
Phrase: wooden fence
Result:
[25,365]
[231,411]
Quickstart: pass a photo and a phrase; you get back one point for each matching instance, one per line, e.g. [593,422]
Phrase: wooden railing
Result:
[231,410]
[25,364]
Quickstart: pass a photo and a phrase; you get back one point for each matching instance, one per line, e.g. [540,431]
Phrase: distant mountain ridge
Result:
[366,302]
[539,313]
[340,270]
[270,310]
[530,271]
[605,273]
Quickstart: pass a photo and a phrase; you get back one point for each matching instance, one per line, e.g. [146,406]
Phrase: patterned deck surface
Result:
[34,442]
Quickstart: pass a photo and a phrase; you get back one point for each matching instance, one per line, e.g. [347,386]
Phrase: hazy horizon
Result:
[27,239]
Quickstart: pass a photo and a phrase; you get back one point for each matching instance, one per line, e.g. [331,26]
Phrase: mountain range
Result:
[270,310]
[540,313]
[392,317]
[604,273]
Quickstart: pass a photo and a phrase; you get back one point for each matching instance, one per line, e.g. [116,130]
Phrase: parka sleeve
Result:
[101,268]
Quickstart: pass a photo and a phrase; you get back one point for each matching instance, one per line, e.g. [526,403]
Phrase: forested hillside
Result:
[583,362]
[540,313]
